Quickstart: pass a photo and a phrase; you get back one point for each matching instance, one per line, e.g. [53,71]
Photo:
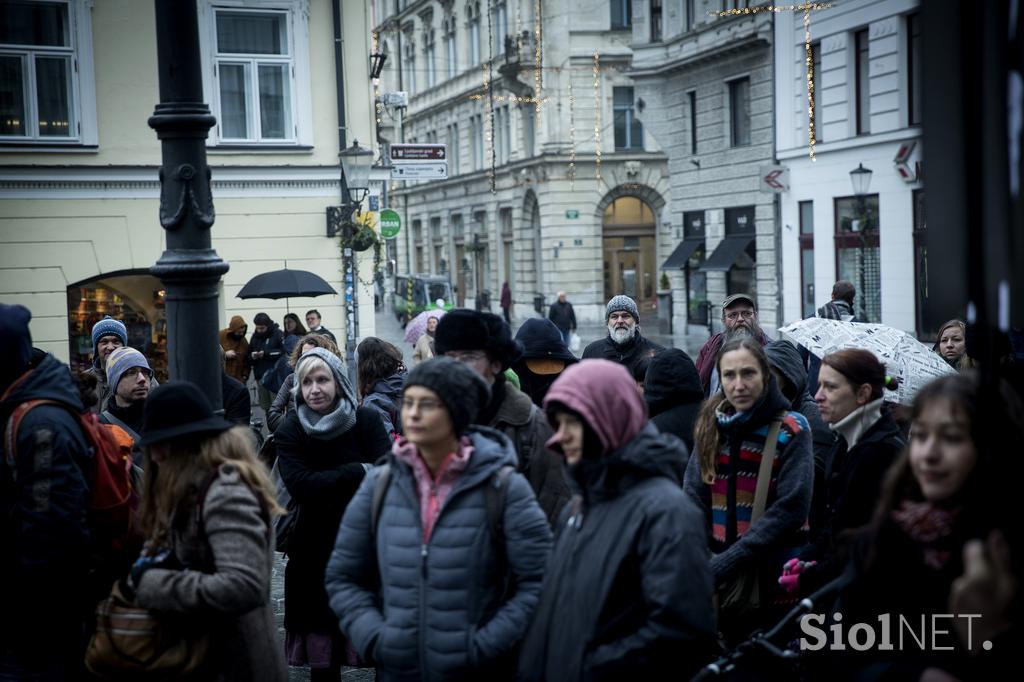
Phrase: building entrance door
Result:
[629,252]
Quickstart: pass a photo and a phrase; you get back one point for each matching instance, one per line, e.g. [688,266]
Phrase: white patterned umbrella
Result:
[904,356]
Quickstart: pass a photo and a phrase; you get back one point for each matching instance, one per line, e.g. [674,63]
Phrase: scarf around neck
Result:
[327,426]
[930,526]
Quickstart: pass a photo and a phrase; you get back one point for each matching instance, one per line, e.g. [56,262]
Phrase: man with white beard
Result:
[624,343]
[739,319]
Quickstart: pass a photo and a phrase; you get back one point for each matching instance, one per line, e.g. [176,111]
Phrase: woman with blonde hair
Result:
[209,550]
[951,344]
[283,401]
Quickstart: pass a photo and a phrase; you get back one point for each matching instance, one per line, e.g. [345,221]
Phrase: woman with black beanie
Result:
[438,564]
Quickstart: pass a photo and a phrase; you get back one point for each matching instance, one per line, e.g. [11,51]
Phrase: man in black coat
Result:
[624,343]
[44,504]
[265,347]
[673,394]
[564,317]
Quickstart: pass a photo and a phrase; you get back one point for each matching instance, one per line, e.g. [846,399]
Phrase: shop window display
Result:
[144,319]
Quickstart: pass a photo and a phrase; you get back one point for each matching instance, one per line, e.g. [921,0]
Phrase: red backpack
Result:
[113,500]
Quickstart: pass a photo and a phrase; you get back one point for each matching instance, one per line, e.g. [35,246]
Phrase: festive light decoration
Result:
[597,115]
[809,63]
[489,132]
[537,82]
[376,86]
[572,136]
[806,8]
[771,8]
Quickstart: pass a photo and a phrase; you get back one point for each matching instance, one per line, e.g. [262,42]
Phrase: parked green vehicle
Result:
[417,293]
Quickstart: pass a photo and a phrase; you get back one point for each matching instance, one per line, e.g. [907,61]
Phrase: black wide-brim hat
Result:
[178,408]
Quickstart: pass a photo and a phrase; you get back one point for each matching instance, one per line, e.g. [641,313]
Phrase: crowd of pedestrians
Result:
[506,510]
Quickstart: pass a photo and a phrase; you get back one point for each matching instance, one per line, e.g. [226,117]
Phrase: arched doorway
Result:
[628,230]
[134,297]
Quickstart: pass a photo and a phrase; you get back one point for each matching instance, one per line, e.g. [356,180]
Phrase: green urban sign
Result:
[390,223]
[572,215]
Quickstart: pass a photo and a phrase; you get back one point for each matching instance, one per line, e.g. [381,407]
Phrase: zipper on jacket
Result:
[423,607]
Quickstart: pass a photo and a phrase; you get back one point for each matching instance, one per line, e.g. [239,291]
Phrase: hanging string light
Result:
[537,83]
[376,86]
[806,8]
[597,115]
[572,136]
[809,63]
[489,132]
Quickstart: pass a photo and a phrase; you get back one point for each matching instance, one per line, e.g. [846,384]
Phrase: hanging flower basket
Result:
[363,238]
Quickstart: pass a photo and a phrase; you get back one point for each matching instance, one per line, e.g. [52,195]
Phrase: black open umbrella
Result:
[285,284]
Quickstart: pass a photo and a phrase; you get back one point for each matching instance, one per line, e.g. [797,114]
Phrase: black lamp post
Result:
[355,183]
[377,60]
[860,178]
[189,269]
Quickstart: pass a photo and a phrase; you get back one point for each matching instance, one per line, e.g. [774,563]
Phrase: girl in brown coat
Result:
[209,548]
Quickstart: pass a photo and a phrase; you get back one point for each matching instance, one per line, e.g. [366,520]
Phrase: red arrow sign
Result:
[772,182]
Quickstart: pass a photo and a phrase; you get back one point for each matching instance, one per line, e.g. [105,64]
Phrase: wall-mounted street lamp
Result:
[860,178]
[377,60]
[355,184]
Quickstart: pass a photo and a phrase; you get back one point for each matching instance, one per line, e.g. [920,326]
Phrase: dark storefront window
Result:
[807,258]
[696,281]
[857,253]
[739,222]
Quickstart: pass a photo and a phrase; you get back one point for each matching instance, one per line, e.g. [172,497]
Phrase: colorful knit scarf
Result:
[930,527]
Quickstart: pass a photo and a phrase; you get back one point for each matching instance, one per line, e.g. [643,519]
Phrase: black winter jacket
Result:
[272,344]
[562,315]
[785,358]
[322,476]
[235,396]
[628,588]
[43,527]
[673,394]
[846,497]
[628,354]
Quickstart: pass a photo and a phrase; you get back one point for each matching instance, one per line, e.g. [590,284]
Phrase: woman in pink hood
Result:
[625,591]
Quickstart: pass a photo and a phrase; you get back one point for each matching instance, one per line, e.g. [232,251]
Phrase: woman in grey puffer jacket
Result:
[442,611]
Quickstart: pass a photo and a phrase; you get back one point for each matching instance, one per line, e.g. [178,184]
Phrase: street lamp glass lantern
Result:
[860,177]
[356,162]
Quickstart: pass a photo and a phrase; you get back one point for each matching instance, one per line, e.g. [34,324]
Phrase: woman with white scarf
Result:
[324,449]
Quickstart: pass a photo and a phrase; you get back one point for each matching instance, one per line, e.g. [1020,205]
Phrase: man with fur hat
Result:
[107,336]
[624,343]
[483,341]
[44,504]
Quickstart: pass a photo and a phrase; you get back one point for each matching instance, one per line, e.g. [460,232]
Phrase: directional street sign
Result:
[774,179]
[420,171]
[417,153]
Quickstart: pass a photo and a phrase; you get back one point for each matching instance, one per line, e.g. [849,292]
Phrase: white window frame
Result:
[409,63]
[453,149]
[500,27]
[449,37]
[297,20]
[428,56]
[82,104]
[473,26]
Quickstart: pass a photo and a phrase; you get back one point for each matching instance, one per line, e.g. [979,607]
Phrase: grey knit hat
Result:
[463,391]
[622,302]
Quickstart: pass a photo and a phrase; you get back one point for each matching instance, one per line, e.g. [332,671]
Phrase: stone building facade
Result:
[706,82]
[553,184]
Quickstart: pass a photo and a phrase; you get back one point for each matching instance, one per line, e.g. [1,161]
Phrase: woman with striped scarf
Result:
[751,535]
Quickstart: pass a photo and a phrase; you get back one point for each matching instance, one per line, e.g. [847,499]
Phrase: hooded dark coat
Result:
[43,528]
[541,340]
[625,592]
[673,394]
[628,354]
[785,359]
[386,398]
[237,403]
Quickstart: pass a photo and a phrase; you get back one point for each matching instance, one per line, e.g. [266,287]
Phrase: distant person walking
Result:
[236,349]
[841,305]
[564,317]
[506,302]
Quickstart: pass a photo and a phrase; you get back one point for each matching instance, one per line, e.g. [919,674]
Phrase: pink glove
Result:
[791,570]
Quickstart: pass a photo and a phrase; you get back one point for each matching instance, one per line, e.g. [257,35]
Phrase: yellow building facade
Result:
[79,189]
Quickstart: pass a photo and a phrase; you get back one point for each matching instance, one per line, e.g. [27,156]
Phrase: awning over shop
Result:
[726,253]
[682,253]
